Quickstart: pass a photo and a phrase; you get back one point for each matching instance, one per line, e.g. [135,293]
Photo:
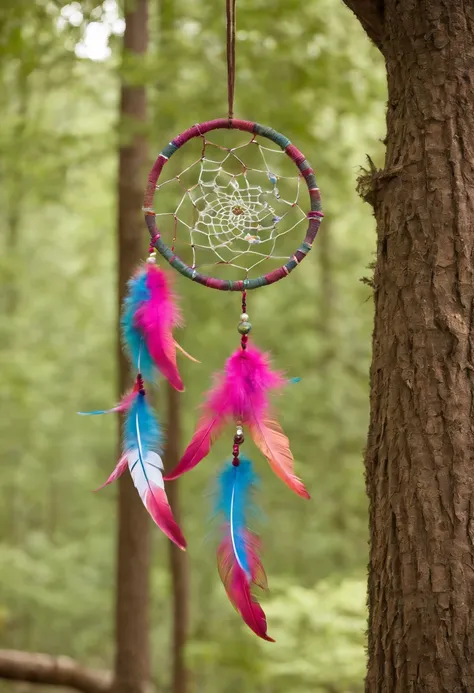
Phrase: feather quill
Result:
[242,394]
[238,560]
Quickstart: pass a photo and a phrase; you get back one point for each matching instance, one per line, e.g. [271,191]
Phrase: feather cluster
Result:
[238,560]
[242,394]
[150,314]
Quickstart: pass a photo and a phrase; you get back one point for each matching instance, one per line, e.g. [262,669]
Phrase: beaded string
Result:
[243,328]
[238,440]
[244,325]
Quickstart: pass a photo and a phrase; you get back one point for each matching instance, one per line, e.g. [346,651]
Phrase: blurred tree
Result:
[132,657]
[178,559]
[419,454]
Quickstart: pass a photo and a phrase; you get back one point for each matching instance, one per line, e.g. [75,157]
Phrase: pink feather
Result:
[156,318]
[242,391]
[241,394]
[207,431]
[238,587]
[125,403]
[121,466]
[127,400]
[156,502]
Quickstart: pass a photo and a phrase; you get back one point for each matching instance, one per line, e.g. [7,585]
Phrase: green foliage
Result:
[320,636]
[313,75]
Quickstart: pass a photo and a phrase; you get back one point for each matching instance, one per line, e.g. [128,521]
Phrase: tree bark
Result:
[178,558]
[132,663]
[35,667]
[421,437]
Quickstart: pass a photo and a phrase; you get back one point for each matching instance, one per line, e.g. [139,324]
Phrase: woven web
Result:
[235,207]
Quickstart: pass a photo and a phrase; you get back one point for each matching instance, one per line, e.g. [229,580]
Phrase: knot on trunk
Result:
[372,180]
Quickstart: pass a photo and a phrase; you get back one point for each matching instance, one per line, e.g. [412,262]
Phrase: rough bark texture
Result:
[132,666]
[419,459]
[178,558]
[36,667]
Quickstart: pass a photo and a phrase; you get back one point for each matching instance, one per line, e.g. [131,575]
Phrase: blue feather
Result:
[141,429]
[293,381]
[234,501]
[138,293]
[94,413]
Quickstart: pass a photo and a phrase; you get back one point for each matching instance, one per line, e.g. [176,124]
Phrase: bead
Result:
[239,431]
[151,260]
[244,327]
[235,462]
[244,317]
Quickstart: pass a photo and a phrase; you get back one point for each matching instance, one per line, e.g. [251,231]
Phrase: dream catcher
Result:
[246,192]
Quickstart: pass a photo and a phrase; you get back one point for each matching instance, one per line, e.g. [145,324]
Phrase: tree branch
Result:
[35,667]
[370,15]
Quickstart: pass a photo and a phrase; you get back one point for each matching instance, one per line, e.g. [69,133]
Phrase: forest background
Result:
[311,74]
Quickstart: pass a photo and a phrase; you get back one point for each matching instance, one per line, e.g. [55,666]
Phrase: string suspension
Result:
[230,14]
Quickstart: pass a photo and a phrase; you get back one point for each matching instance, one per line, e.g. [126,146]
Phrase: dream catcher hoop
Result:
[240,203]
[236,210]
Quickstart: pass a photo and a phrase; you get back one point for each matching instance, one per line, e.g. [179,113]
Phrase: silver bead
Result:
[151,259]
[244,317]
[239,431]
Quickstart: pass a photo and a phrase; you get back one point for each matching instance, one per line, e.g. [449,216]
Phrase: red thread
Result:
[140,384]
[244,301]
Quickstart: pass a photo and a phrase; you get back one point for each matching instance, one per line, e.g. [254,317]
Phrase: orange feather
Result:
[268,436]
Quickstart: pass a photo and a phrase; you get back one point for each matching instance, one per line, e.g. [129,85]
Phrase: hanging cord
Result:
[230,14]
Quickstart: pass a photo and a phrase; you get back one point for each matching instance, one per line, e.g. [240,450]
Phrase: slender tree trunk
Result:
[166,51]
[132,665]
[420,452]
[178,558]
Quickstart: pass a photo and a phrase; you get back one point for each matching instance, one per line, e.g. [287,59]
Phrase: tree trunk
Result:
[178,558]
[166,51]
[421,437]
[132,665]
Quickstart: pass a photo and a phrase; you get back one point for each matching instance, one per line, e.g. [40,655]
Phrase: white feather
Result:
[145,471]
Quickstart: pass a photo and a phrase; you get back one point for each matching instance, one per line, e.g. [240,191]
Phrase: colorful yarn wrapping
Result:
[314,215]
